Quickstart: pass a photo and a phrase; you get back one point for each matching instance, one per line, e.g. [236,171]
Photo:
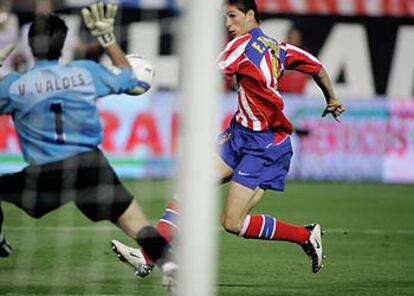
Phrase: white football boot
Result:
[5,248]
[133,257]
[313,246]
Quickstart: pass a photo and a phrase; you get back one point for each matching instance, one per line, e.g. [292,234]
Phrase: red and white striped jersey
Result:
[258,61]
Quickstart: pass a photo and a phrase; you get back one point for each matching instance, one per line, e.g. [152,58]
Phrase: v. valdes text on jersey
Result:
[52,85]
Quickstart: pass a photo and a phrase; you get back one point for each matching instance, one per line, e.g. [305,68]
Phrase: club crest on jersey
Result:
[223,138]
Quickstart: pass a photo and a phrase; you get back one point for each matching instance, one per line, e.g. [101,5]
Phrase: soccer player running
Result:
[255,151]
[55,115]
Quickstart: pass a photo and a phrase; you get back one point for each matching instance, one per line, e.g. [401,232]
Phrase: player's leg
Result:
[239,202]
[138,258]
[254,172]
[10,191]
[5,248]
[237,220]
[156,247]
[101,196]
[225,172]
[36,189]
[132,220]
[135,224]
[166,226]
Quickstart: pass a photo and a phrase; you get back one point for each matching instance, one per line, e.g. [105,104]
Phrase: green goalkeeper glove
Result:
[101,24]
[5,52]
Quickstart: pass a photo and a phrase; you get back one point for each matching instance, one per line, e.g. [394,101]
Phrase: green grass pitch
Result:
[369,244]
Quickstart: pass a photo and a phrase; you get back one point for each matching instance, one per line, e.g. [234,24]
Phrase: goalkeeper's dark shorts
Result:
[87,179]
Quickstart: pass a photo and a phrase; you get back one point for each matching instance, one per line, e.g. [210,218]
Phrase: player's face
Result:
[237,22]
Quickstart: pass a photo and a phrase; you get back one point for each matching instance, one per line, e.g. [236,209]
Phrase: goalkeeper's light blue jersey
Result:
[54,106]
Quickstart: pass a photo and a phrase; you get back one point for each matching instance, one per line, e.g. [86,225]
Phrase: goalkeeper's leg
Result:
[166,226]
[156,247]
[118,206]
[5,248]
[138,258]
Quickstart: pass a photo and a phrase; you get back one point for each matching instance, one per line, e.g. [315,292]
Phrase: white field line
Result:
[113,228]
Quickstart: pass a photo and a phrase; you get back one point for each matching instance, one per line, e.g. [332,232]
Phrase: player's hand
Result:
[100,21]
[5,52]
[334,107]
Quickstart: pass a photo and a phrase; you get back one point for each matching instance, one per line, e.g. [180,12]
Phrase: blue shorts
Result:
[254,157]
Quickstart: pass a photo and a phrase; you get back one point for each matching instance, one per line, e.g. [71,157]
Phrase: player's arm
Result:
[5,52]
[5,107]
[302,61]
[333,105]
[99,19]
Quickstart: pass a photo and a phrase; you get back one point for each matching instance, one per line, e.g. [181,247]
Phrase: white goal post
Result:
[200,41]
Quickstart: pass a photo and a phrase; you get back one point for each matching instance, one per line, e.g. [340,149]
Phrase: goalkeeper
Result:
[55,115]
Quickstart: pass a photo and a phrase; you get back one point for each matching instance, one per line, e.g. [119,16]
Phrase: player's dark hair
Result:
[47,35]
[245,6]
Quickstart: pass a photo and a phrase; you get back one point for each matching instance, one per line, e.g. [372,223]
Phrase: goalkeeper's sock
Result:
[167,226]
[156,247]
[269,228]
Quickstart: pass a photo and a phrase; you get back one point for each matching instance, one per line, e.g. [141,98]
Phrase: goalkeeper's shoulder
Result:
[88,65]
[9,78]
[98,68]
[6,83]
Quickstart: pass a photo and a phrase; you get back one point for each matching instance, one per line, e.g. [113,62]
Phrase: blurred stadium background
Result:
[355,178]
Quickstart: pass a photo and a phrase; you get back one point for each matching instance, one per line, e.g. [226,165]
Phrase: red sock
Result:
[166,226]
[268,228]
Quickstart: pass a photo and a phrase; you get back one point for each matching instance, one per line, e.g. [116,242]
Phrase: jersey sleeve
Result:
[109,80]
[233,56]
[300,60]
[5,103]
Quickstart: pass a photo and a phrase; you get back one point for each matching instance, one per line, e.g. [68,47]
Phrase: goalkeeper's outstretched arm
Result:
[99,18]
